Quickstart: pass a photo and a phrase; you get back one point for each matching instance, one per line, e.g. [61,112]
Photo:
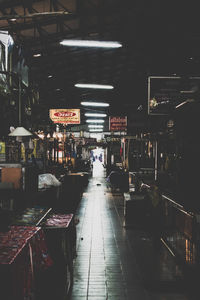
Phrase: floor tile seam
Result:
[102,228]
[86,200]
[86,203]
[90,255]
[111,223]
[128,243]
[81,230]
[139,274]
[117,247]
[90,247]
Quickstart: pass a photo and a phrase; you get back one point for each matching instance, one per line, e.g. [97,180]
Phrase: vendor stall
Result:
[60,236]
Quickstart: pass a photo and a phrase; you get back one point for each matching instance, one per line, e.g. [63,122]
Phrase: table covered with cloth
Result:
[59,220]
[66,223]
[60,234]
[23,252]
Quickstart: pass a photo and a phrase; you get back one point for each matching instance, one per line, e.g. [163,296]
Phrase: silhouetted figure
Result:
[69,165]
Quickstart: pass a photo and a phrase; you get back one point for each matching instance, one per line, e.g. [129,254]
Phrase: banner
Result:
[65,116]
[118,123]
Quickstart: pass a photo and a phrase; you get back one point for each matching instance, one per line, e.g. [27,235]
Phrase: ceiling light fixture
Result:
[95,115]
[95,130]
[37,55]
[95,126]
[100,104]
[184,102]
[95,121]
[94,86]
[20,131]
[90,43]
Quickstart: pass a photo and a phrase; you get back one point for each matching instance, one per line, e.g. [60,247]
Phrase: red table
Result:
[23,251]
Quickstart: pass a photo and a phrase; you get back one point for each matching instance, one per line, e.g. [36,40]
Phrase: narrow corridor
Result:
[115,263]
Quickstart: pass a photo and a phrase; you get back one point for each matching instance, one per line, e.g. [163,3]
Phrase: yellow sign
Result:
[30,151]
[65,116]
[2,151]
[2,148]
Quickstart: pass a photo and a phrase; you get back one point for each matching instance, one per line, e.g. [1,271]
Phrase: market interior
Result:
[99,150]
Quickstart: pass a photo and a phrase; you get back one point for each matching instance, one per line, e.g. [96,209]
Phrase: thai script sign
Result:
[118,123]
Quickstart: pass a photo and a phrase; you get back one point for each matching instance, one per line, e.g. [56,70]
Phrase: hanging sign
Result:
[65,116]
[167,93]
[118,123]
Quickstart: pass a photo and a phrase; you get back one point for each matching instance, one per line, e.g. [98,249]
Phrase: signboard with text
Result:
[65,116]
[117,123]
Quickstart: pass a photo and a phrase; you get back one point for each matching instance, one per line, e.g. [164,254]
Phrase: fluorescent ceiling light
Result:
[50,76]
[95,126]
[95,115]
[90,43]
[100,104]
[94,86]
[185,102]
[95,121]
[187,92]
[95,130]
[37,55]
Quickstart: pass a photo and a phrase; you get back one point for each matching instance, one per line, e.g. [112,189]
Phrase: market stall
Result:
[23,253]
[60,236]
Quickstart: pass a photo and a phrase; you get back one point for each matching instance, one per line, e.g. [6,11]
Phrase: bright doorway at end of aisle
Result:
[97,154]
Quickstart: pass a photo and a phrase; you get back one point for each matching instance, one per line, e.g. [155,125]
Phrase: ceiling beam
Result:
[14,3]
[32,15]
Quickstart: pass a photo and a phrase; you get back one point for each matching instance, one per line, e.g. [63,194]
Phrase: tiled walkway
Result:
[114,263]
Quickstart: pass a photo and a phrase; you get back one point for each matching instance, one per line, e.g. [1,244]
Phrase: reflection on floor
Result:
[114,263]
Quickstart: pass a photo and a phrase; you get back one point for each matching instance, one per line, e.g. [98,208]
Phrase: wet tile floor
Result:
[116,263]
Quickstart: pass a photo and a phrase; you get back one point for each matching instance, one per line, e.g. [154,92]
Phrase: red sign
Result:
[118,123]
[65,116]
